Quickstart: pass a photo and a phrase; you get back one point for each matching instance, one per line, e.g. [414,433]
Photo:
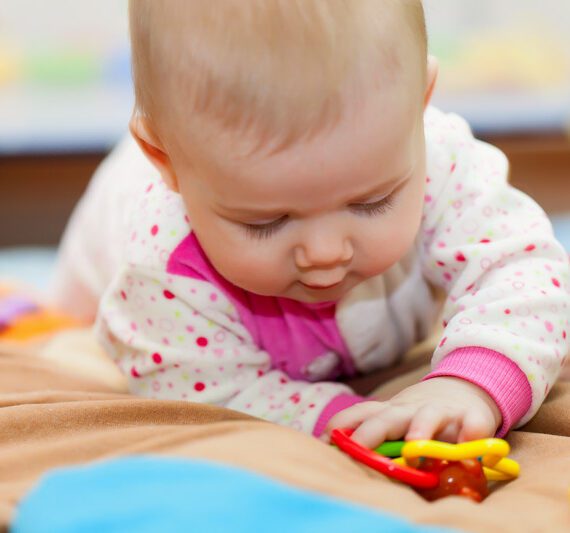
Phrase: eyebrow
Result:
[385,188]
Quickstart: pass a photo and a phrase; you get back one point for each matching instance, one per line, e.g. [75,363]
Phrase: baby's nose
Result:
[323,251]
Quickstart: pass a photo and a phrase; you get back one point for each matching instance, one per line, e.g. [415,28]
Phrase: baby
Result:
[302,208]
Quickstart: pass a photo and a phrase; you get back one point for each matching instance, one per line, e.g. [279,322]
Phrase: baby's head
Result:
[293,131]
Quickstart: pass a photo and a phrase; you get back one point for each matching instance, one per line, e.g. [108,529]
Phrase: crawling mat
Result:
[53,417]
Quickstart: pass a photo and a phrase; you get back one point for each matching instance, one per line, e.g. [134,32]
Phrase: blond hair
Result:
[279,67]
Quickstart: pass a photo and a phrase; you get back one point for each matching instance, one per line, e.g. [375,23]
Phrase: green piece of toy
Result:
[391,448]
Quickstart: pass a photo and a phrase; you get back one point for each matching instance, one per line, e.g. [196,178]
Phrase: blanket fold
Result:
[51,417]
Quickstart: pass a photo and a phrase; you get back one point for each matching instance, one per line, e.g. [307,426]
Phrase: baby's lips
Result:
[321,286]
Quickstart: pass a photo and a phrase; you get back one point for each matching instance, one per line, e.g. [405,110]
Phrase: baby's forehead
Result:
[283,68]
[378,144]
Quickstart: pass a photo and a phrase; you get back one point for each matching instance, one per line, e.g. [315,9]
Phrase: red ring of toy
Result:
[384,465]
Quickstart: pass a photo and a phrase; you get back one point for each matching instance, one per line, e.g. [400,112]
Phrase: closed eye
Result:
[374,208]
[263,231]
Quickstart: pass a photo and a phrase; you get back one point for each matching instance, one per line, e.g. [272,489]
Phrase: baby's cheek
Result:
[405,223]
[251,264]
[257,267]
[404,235]
[387,244]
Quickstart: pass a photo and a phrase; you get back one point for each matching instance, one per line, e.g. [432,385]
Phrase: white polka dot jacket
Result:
[178,330]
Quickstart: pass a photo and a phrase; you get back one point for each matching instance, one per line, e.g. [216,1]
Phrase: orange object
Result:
[37,323]
[22,323]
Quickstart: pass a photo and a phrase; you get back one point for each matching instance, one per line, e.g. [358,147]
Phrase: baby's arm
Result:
[491,248]
[92,245]
[181,338]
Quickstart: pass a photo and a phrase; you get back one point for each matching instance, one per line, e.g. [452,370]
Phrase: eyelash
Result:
[264,231]
[377,208]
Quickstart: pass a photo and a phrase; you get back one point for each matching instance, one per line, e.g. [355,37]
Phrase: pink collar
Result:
[293,333]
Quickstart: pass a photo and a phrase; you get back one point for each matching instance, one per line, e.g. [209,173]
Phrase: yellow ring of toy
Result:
[496,465]
[505,470]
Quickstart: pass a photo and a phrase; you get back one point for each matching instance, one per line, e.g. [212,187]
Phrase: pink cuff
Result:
[496,374]
[337,404]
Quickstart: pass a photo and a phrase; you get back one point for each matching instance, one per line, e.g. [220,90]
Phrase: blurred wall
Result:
[65,96]
[65,84]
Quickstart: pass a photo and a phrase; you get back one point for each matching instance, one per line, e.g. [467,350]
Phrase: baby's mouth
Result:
[321,287]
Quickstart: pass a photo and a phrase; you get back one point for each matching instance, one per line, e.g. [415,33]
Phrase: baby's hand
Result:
[444,408]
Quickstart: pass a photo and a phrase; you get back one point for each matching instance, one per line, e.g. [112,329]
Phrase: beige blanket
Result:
[66,407]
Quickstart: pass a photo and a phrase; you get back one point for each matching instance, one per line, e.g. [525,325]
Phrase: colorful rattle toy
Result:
[436,469]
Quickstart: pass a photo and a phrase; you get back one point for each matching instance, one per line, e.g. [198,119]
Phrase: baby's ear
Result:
[432,72]
[153,148]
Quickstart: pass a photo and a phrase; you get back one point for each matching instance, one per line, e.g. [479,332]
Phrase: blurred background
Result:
[65,99]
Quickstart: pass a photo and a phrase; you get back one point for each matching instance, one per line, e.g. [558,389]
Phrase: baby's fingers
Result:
[389,424]
[430,421]
[351,417]
[476,425]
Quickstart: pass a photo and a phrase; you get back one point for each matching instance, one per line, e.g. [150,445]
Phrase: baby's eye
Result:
[264,231]
[374,208]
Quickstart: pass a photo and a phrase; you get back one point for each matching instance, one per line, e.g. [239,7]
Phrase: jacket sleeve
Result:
[179,338]
[492,249]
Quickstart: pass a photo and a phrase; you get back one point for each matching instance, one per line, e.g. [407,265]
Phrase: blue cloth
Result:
[145,494]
